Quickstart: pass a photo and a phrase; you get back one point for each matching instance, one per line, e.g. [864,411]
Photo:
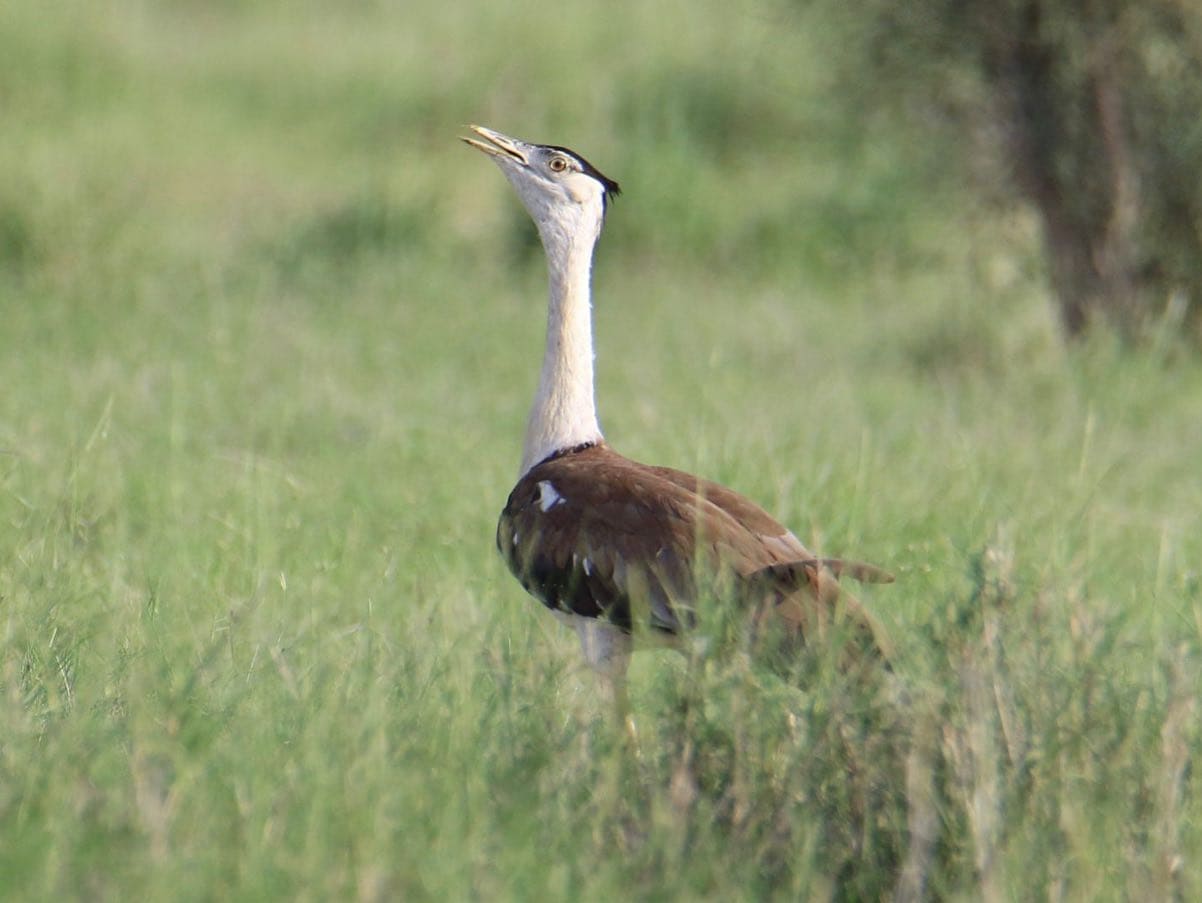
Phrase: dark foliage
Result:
[1091,113]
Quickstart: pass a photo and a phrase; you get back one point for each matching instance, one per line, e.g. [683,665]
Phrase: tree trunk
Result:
[1071,159]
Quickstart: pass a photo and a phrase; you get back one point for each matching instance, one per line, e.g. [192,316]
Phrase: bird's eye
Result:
[558,164]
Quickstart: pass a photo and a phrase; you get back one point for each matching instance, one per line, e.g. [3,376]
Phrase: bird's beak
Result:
[498,145]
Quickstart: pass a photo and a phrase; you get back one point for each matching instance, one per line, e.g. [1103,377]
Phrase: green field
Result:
[269,334]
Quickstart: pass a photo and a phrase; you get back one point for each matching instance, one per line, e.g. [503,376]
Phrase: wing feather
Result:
[595,534]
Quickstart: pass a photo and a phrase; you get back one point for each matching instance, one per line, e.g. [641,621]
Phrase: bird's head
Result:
[564,193]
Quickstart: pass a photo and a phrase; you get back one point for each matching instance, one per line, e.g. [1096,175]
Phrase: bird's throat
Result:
[564,413]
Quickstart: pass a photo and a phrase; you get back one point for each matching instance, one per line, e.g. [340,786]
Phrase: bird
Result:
[625,552]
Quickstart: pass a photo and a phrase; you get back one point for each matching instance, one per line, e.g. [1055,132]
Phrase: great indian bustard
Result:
[616,548]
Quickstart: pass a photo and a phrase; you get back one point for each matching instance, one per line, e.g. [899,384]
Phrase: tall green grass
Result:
[269,336]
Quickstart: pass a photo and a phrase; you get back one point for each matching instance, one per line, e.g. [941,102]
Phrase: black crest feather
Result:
[612,188]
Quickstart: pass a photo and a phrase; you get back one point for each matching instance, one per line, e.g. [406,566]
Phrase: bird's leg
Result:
[683,790]
[608,648]
[622,713]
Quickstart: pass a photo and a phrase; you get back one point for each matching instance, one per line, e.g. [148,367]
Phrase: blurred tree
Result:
[1093,110]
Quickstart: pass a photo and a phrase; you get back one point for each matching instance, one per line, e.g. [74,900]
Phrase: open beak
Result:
[498,145]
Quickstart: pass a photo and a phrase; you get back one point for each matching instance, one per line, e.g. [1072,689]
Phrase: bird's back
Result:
[594,534]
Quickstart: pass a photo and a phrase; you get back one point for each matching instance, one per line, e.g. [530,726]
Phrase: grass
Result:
[270,335]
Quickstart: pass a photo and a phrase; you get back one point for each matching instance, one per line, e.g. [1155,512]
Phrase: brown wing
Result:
[785,548]
[595,534]
[589,534]
[750,515]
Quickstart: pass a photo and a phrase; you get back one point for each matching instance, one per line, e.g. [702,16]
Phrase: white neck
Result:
[564,413]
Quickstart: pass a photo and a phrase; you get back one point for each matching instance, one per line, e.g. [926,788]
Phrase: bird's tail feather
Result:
[797,585]
[805,570]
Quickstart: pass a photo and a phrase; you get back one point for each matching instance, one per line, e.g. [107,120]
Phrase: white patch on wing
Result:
[548,497]
[588,568]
